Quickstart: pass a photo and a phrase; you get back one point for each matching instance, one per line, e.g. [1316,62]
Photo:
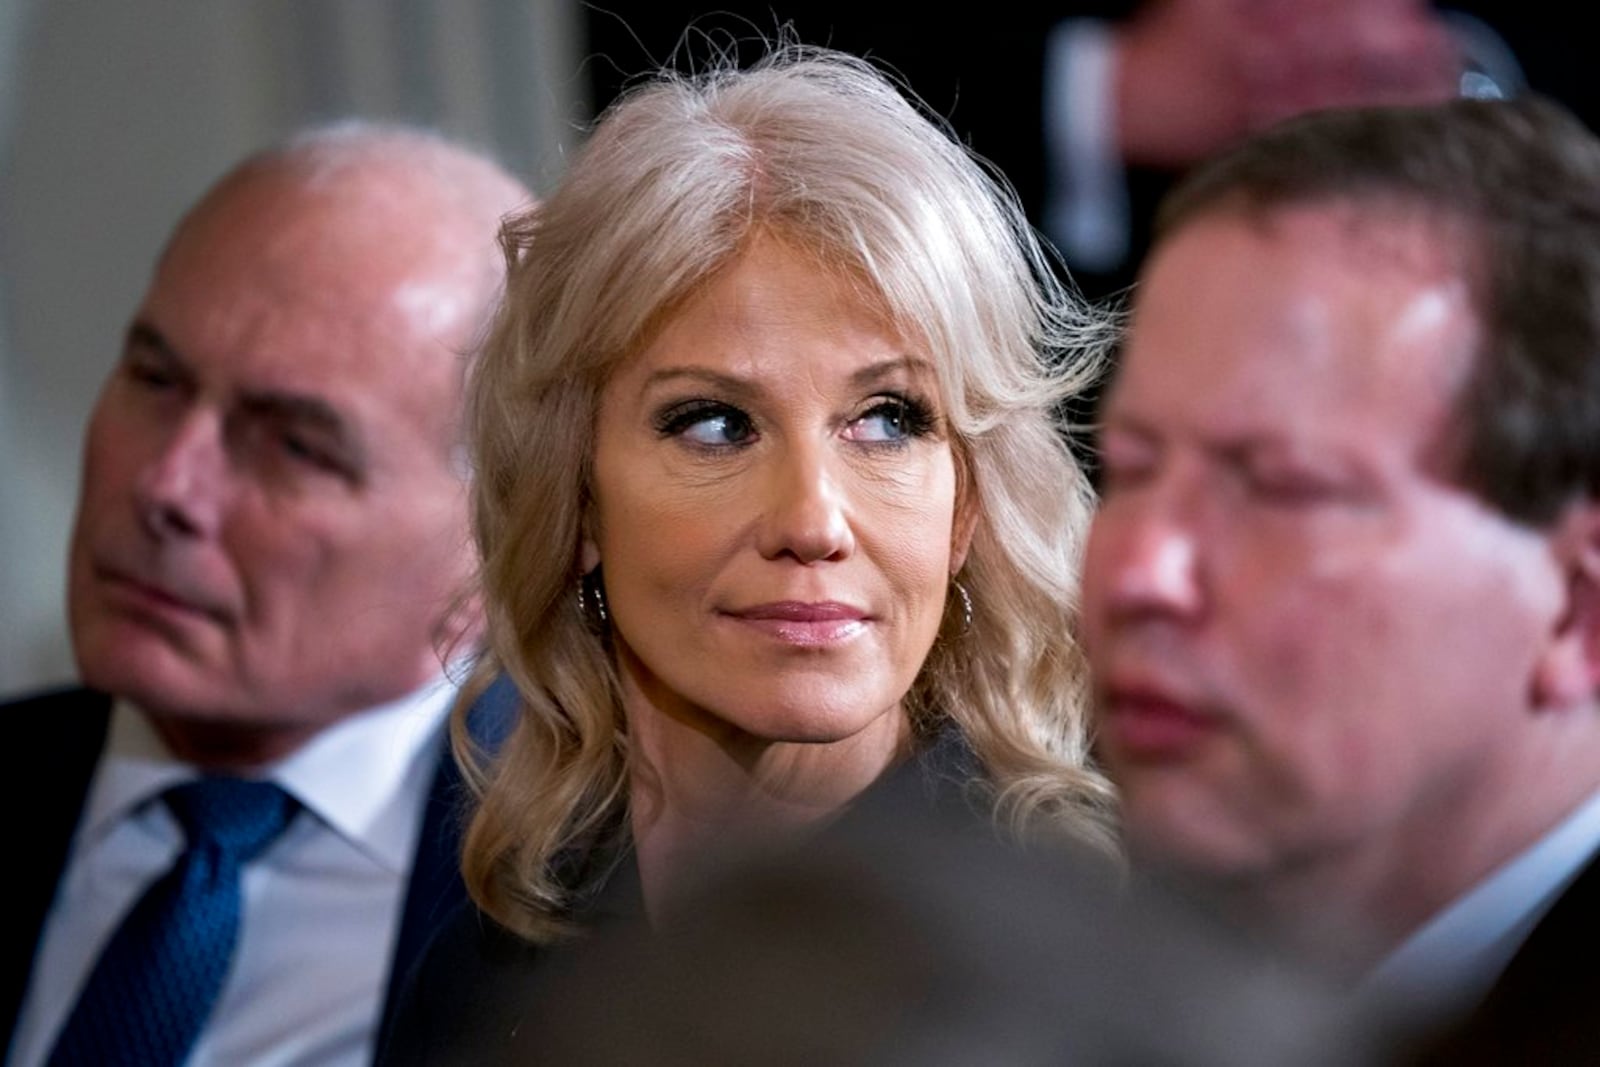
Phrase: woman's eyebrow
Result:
[872,373]
[736,386]
[724,384]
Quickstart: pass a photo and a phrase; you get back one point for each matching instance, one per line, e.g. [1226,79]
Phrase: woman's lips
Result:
[1151,726]
[803,623]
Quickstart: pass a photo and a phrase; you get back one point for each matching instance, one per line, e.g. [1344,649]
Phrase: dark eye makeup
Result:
[894,417]
[888,419]
[705,422]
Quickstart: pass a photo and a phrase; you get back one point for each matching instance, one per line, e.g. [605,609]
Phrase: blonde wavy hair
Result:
[824,151]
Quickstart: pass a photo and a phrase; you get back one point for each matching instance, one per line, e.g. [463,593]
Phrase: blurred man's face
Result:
[1311,646]
[269,534]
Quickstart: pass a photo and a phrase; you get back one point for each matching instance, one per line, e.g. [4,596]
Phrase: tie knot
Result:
[239,816]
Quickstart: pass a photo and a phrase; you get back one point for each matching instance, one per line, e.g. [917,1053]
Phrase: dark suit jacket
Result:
[1545,1008]
[64,732]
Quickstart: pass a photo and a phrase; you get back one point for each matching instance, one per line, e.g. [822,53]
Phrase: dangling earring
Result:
[592,600]
[966,606]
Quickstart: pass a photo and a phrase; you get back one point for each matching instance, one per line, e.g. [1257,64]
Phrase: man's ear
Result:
[1569,672]
[461,628]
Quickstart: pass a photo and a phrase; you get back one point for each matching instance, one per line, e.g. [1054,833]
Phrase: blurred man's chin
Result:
[146,671]
[1212,850]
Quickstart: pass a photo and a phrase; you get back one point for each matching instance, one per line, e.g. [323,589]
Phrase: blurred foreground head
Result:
[897,939]
[1343,595]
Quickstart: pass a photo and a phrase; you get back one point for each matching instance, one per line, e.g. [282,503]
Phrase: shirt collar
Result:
[1451,962]
[354,776]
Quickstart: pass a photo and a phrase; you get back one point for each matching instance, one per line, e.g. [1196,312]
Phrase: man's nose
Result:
[805,511]
[1145,557]
[179,492]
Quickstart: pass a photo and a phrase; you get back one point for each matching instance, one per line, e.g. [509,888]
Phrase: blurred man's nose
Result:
[179,492]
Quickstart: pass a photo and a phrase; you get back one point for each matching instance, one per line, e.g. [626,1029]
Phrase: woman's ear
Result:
[1568,674]
[963,525]
[588,546]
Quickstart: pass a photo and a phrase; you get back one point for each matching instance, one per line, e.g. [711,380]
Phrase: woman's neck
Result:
[701,787]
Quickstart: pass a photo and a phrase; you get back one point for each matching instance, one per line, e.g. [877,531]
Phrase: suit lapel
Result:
[1543,1009]
[67,730]
[436,890]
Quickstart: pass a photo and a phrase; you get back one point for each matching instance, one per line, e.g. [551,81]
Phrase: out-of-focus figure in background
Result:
[1093,108]
[1133,102]
[267,577]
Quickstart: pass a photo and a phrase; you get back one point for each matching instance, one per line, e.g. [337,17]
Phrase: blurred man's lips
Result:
[133,592]
[1147,724]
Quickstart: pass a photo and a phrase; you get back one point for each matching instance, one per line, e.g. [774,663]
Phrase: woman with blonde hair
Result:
[774,506]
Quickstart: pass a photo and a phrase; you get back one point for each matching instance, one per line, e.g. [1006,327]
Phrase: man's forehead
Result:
[276,335]
[1306,313]
[270,267]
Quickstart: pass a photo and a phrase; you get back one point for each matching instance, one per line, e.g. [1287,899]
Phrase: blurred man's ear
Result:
[1569,673]
[460,629]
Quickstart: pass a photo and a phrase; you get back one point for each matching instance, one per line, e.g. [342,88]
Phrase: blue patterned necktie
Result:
[159,975]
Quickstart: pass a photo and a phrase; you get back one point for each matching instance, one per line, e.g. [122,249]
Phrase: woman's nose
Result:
[806,511]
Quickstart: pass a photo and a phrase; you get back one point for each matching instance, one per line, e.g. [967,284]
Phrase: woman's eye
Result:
[726,428]
[707,424]
[892,419]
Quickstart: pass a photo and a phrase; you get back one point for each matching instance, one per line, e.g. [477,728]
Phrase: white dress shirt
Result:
[1450,963]
[320,906]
